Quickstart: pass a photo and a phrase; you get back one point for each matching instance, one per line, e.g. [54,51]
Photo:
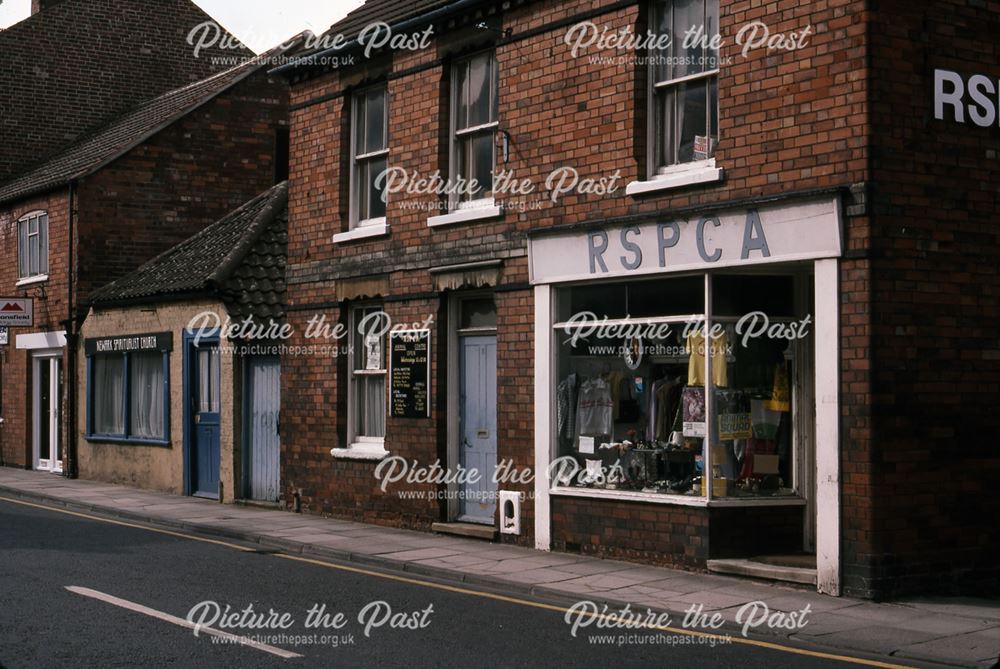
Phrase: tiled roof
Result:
[124,133]
[77,64]
[240,259]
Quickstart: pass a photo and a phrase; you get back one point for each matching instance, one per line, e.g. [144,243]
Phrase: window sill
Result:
[465,215]
[134,441]
[374,228]
[32,280]
[360,452]
[676,500]
[707,173]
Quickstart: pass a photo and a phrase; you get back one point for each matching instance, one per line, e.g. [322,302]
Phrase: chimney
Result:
[39,5]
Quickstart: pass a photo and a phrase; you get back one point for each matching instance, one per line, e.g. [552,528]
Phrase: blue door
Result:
[478,428]
[262,406]
[204,431]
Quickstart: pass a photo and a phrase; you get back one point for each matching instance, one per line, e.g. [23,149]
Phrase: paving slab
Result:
[976,648]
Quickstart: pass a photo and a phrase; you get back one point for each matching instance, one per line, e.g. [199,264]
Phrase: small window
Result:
[685,84]
[367,393]
[474,123]
[33,245]
[128,396]
[369,154]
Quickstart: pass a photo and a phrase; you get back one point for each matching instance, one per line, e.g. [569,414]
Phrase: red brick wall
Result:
[158,194]
[179,181]
[789,122]
[933,259]
[50,313]
[80,62]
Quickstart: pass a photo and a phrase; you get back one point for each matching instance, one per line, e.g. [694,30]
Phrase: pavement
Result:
[945,631]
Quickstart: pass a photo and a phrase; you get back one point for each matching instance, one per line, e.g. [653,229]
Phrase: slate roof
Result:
[78,64]
[124,133]
[240,259]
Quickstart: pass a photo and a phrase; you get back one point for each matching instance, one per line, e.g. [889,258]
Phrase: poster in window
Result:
[373,352]
[409,374]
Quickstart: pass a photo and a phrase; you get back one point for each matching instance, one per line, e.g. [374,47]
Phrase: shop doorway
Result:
[263,401]
[46,373]
[473,399]
[202,380]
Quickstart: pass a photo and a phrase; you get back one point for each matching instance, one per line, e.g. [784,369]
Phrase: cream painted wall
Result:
[160,467]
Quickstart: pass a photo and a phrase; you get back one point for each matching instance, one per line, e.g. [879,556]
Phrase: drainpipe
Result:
[71,344]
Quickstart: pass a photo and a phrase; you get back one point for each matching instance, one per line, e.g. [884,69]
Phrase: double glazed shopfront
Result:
[686,385]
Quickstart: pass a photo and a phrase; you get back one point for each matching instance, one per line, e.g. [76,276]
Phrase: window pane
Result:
[462,95]
[204,379]
[360,114]
[713,114]
[482,147]
[22,248]
[692,121]
[711,30]
[367,339]
[478,313]
[214,402]
[688,14]
[32,254]
[376,206]
[661,25]
[375,120]
[33,225]
[370,403]
[480,98]
[107,394]
[665,145]
[146,400]
[43,245]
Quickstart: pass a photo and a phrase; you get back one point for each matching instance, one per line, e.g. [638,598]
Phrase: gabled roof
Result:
[125,133]
[77,64]
[240,259]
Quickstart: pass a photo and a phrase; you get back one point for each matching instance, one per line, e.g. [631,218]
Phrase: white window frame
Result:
[456,203]
[24,272]
[369,225]
[670,173]
[362,447]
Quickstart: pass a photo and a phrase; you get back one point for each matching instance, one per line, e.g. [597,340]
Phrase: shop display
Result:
[633,410]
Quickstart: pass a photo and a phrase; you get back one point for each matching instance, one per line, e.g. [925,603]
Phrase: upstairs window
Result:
[33,245]
[369,154]
[684,80]
[474,124]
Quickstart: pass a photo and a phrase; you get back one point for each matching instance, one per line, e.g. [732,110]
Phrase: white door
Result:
[46,394]
[478,428]
[264,403]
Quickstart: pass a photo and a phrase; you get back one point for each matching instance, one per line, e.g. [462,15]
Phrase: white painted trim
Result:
[38,278]
[544,360]
[359,452]
[669,180]
[372,228]
[38,340]
[465,215]
[676,500]
[827,365]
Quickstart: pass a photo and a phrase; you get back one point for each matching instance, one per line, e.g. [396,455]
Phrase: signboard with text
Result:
[156,341]
[17,311]
[409,374]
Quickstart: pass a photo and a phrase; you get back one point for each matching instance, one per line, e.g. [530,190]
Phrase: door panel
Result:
[477,427]
[205,400]
[264,386]
[47,391]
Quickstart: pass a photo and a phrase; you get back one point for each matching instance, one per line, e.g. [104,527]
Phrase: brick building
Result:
[78,63]
[839,180]
[126,192]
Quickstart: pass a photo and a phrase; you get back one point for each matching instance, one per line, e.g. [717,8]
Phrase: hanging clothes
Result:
[781,396]
[696,359]
[594,408]
[566,406]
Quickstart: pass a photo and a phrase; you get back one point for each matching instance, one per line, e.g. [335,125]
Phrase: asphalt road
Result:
[43,624]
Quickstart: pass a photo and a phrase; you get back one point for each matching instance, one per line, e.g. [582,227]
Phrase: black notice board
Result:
[409,373]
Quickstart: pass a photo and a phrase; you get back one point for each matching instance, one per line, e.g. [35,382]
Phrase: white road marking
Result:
[160,615]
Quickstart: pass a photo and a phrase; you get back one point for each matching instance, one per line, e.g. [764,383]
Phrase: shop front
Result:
[686,376]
